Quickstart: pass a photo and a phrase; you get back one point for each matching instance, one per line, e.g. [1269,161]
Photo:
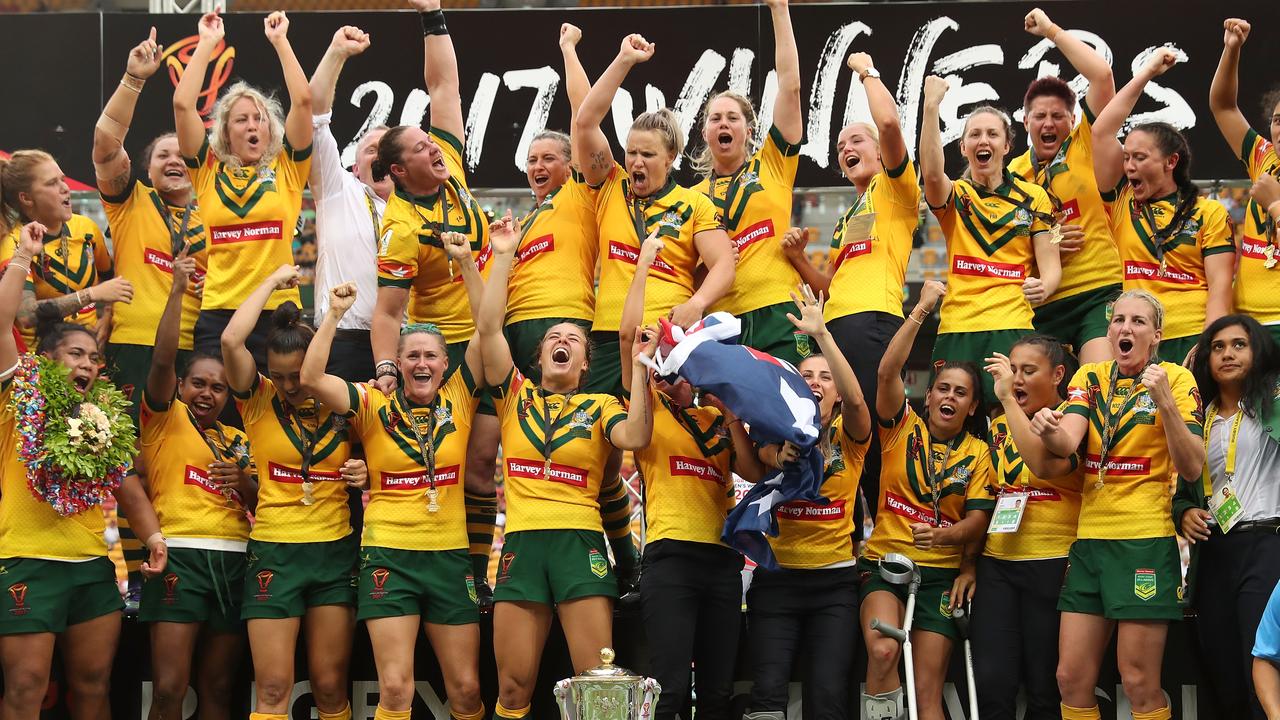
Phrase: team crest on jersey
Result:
[471,590]
[1144,583]
[266,175]
[444,415]
[581,419]
[1190,228]
[959,476]
[465,196]
[913,447]
[1022,216]
[1146,405]
[599,566]
[944,605]
[748,178]
[670,221]
[802,345]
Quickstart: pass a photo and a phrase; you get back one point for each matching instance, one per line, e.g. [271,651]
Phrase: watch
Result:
[869,72]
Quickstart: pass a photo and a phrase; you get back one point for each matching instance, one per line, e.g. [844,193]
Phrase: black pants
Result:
[1015,636]
[691,595]
[208,335]
[813,610]
[862,339]
[1236,574]
[351,356]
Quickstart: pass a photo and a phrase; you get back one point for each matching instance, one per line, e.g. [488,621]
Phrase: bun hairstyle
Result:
[16,176]
[52,330]
[288,334]
[703,162]
[1171,141]
[666,124]
[1057,355]
[389,153]
[1050,86]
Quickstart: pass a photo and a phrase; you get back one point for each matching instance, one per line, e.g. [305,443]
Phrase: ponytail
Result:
[288,334]
[666,124]
[1171,142]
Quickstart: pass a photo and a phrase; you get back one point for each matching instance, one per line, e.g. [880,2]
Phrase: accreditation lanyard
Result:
[374,218]
[1046,172]
[426,447]
[438,228]
[550,428]
[177,236]
[1224,503]
[1111,420]
[638,208]
[936,477]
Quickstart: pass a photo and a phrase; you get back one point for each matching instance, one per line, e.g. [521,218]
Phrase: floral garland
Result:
[76,447]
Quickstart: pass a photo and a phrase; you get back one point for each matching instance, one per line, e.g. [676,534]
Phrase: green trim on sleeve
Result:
[158,408]
[449,138]
[468,380]
[1083,412]
[1230,247]
[257,380]
[1087,111]
[201,155]
[389,282]
[1246,148]
[611,424]
[897,172]
[979,504]
[353,396]
[946,203]
[1196,429]
[297,155]
[784,147]
[122,196]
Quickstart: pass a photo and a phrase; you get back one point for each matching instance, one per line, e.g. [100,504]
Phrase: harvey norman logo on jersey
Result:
[532,469]
[692,467]
[285,474]
[1117,465]
[415,479]
[626,253]
[966,265]
[164,261]
[902,507]
[245,232]
[200,478]
[755,233]
[801,510]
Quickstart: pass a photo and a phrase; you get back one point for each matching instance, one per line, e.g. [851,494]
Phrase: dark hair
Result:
[150,150]
[975,424]
[1057,354]
[1171,141]
[389,153]
[288,334]
[1260,384]
[587,345]
[1050,86]
[198,356]
[52,332]
[1270,99]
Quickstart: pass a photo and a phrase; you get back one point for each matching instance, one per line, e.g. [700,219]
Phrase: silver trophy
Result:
[607,692]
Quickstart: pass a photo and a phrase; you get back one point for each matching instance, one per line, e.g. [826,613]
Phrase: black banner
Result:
[511,69]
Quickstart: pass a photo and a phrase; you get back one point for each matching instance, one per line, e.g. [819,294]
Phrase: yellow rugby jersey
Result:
[965,482]
[280,436]
[74,259]
[554,450]
[688,473]
[869,273]
[146,234]
[411,254]
[177,454]
[555,265]
[397,515]
[990,252]
[1136,496]
[1181,284]
[812,535]
[754,205]
[1052,506]
[251,215]
[677,213]
[1073,191]
[30,527]
[1257,287]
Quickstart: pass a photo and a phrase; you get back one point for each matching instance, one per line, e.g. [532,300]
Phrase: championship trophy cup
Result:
[607,692]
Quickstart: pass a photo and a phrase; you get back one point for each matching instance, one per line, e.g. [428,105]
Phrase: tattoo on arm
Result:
[65,305]
[115,185]
[27,309]
[599,160]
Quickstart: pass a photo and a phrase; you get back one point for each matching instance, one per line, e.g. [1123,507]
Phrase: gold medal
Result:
[1055,234]
[1164,265]
[546,468]
[433,500]
[308,493]
[1270,254]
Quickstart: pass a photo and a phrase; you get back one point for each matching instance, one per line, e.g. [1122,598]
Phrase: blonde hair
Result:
[566,145]
[1157,309]
[268,106]
[703,162]
[666,124]
[16,176]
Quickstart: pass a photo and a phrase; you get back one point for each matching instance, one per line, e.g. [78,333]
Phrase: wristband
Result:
[132,82]
[156,536]
[385,368]
[433,23]
[912,316]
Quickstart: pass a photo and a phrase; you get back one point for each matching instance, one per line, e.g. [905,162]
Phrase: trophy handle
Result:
[564,698]
[651,692]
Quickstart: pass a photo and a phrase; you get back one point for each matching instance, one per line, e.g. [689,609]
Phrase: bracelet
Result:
[79,299]
[433,23]
[132,82]
[156,536]
[912,316]
[386,368]
[15,262]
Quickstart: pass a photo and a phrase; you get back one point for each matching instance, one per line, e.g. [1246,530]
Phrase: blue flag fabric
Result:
[775,403]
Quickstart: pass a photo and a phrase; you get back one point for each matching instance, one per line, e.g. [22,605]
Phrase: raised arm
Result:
[933,169]
[384,334]
[853,404]
[1226,83]
[1086,60]
[347,42]
[30,245]
[186,117]
[890,392]
[297,124]
[633,306]
[576,83]
[328,390]
[590,145]
[884,112]
[1041,462]
[162,379]
[496,353]
[636,431]
[440,69]
[110,161]
[795,244]
[458,247]
[1108,155]
[787,115]
[236,358]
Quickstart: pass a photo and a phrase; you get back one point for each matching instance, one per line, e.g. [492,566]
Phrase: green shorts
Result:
[128,366]
[1124,579]
[976,347]
[437,585]
[1175,350]
[48,596]
[932,599]
[1077,319]
[456,352]
[282,580]
[604,375]
[524,337]
[198,586]
[767,329]
[547,566]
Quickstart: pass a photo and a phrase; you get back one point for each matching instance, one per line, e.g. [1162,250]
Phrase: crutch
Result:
[898,569]
[961,618]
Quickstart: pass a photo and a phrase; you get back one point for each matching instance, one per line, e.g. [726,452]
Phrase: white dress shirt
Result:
[1257,466]
[348,215]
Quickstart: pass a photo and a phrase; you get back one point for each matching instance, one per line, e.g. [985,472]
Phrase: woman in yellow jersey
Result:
[1060,160]
[752,185]
[1237,546]
[200,481]
[638,199]
[302,553]
[691,585]
[431,198]
[935,498]
[1174,244]
[1015,621]
[413,556]
[59,585]
[555,441]
[870,247]
[248,173]
[151,222]
[1257,287]
[997,228]
[73,275]
[1138,422]
[804,611]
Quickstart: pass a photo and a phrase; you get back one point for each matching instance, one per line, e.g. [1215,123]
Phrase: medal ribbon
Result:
[1232,437]
[426,446]
[1110,420]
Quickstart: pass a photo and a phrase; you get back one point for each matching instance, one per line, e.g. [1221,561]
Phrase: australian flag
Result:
[769,395]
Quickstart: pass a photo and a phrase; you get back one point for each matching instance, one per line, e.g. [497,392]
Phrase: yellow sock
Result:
[1161,714]
[268,716]
[381,713]
[499,711]
[1089,713]
[477,715]
[343,714]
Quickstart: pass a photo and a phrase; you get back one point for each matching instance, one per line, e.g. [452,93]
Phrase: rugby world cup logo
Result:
[379,579]
[170,588]
[264,578]
[178,54]
[18,591]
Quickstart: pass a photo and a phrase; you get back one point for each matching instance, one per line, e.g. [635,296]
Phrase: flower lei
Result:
[76,448]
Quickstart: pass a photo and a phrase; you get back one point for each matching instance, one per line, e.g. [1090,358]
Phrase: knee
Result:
[169,688]
[329,690]
[273,691]
[217,686]
[25,687]
[464,695]
[395,691]
[514,692]
[1141,685]
[91,682]
[1071,682]
[882,655]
